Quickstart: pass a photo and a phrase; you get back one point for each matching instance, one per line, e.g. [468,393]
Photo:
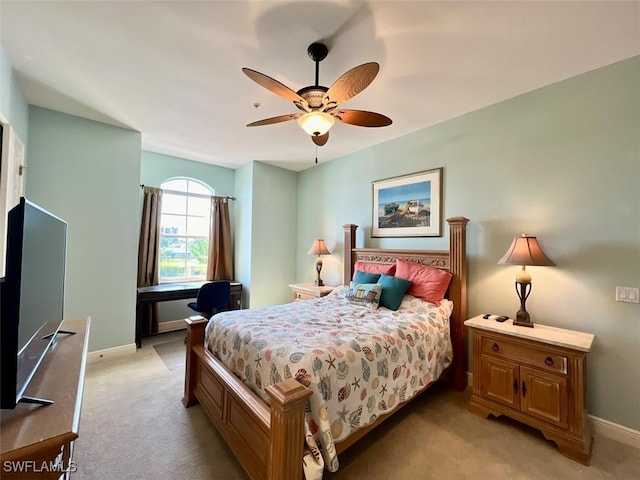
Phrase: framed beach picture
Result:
[408,206]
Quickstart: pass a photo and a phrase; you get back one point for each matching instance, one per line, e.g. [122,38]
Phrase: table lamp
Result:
[318,248]
[524,250]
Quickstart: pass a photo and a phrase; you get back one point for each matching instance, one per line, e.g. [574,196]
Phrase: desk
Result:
[176,291]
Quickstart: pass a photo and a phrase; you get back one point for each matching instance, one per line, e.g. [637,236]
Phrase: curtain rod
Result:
[215,196]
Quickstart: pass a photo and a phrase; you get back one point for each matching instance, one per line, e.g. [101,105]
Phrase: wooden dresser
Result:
[307,291]
[537,376]
[37,440]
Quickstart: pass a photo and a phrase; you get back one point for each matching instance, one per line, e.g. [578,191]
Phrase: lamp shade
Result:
[525,250]
[318,248]
[316,123]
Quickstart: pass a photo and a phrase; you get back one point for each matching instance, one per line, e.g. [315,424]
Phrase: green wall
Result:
[156,168]
[88,173]
[265,233]
[562,163]
[243,183]
[13,105]
[273,228]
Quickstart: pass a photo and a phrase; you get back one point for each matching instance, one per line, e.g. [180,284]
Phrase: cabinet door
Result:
[500,381]
[544,396]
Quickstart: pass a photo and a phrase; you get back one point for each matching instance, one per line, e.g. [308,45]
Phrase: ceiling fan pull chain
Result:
[316,154]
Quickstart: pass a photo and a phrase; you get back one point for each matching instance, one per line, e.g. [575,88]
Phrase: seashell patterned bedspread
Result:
[359,363]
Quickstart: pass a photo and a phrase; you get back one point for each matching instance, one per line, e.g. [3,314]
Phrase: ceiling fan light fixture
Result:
[316,123]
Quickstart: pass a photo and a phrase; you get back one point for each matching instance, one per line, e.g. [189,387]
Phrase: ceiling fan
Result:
[318,104]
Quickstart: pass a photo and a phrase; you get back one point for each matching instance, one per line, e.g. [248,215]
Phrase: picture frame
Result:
[408,205]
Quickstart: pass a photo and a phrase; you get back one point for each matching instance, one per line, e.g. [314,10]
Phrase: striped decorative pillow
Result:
[365,294]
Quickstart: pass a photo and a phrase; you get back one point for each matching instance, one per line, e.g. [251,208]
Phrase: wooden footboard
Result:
[268,442]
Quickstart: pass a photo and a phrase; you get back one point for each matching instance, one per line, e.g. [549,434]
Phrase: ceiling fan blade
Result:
[351,83]
[362,118]
[320,140]
[278,119]
[273,85]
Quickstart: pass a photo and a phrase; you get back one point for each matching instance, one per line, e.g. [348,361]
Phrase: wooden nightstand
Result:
[307,291]
[537,376]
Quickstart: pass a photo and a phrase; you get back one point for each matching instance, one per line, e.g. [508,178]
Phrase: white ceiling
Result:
[172,69]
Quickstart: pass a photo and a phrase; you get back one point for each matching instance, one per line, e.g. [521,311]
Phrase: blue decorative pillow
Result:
[393,290]
[365,277]
[365,294]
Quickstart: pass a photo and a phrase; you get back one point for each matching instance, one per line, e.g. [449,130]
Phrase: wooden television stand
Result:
[37,440]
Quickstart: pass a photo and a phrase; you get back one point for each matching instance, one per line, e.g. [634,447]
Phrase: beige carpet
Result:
[134,426]
[172,352]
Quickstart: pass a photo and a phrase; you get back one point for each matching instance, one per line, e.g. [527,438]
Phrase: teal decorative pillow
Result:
[393,290]
[365,294]
[365,277]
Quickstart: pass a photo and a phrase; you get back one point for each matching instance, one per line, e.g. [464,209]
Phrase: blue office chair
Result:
[213,297]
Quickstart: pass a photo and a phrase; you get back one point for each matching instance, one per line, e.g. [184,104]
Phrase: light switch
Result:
[628,294]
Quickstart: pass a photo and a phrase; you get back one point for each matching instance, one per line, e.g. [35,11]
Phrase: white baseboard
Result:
[123,350]
[171,326]
[616,432]
[603,427]
[93,357]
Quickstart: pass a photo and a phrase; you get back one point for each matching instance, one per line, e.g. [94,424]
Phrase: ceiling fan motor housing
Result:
[313,95]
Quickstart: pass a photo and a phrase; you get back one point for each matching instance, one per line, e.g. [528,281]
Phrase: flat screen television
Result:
[31,296]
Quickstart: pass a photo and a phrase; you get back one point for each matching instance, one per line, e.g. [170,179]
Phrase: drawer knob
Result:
[495,347]
[548,361]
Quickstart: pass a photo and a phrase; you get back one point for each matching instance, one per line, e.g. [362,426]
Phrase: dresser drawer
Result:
[308,291]
[535,357]
[302,296]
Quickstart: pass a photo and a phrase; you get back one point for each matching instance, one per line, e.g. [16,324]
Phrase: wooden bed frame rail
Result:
[268,440]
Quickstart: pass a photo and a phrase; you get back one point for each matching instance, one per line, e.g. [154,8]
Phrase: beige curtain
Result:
[149,253]
[220,266]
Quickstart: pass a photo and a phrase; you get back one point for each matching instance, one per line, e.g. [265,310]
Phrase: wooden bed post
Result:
[349,245]
[195,336]
[288,399]
[458,290]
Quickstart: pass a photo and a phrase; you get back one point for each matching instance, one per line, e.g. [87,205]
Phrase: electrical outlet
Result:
[628,294]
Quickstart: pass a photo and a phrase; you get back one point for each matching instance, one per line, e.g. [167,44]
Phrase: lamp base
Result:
[318,282]
[522,319]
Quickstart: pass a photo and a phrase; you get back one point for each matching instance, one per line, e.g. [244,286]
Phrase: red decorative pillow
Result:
[428,283]
[375,268]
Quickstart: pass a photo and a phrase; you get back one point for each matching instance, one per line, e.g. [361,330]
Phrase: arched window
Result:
[184,230]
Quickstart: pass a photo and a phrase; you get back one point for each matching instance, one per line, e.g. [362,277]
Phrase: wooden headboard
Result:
[453,260]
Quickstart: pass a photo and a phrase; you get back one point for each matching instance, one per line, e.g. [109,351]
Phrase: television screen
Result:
[32,294]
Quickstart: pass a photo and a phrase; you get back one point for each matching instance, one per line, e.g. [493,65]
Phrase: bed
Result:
[268,437]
